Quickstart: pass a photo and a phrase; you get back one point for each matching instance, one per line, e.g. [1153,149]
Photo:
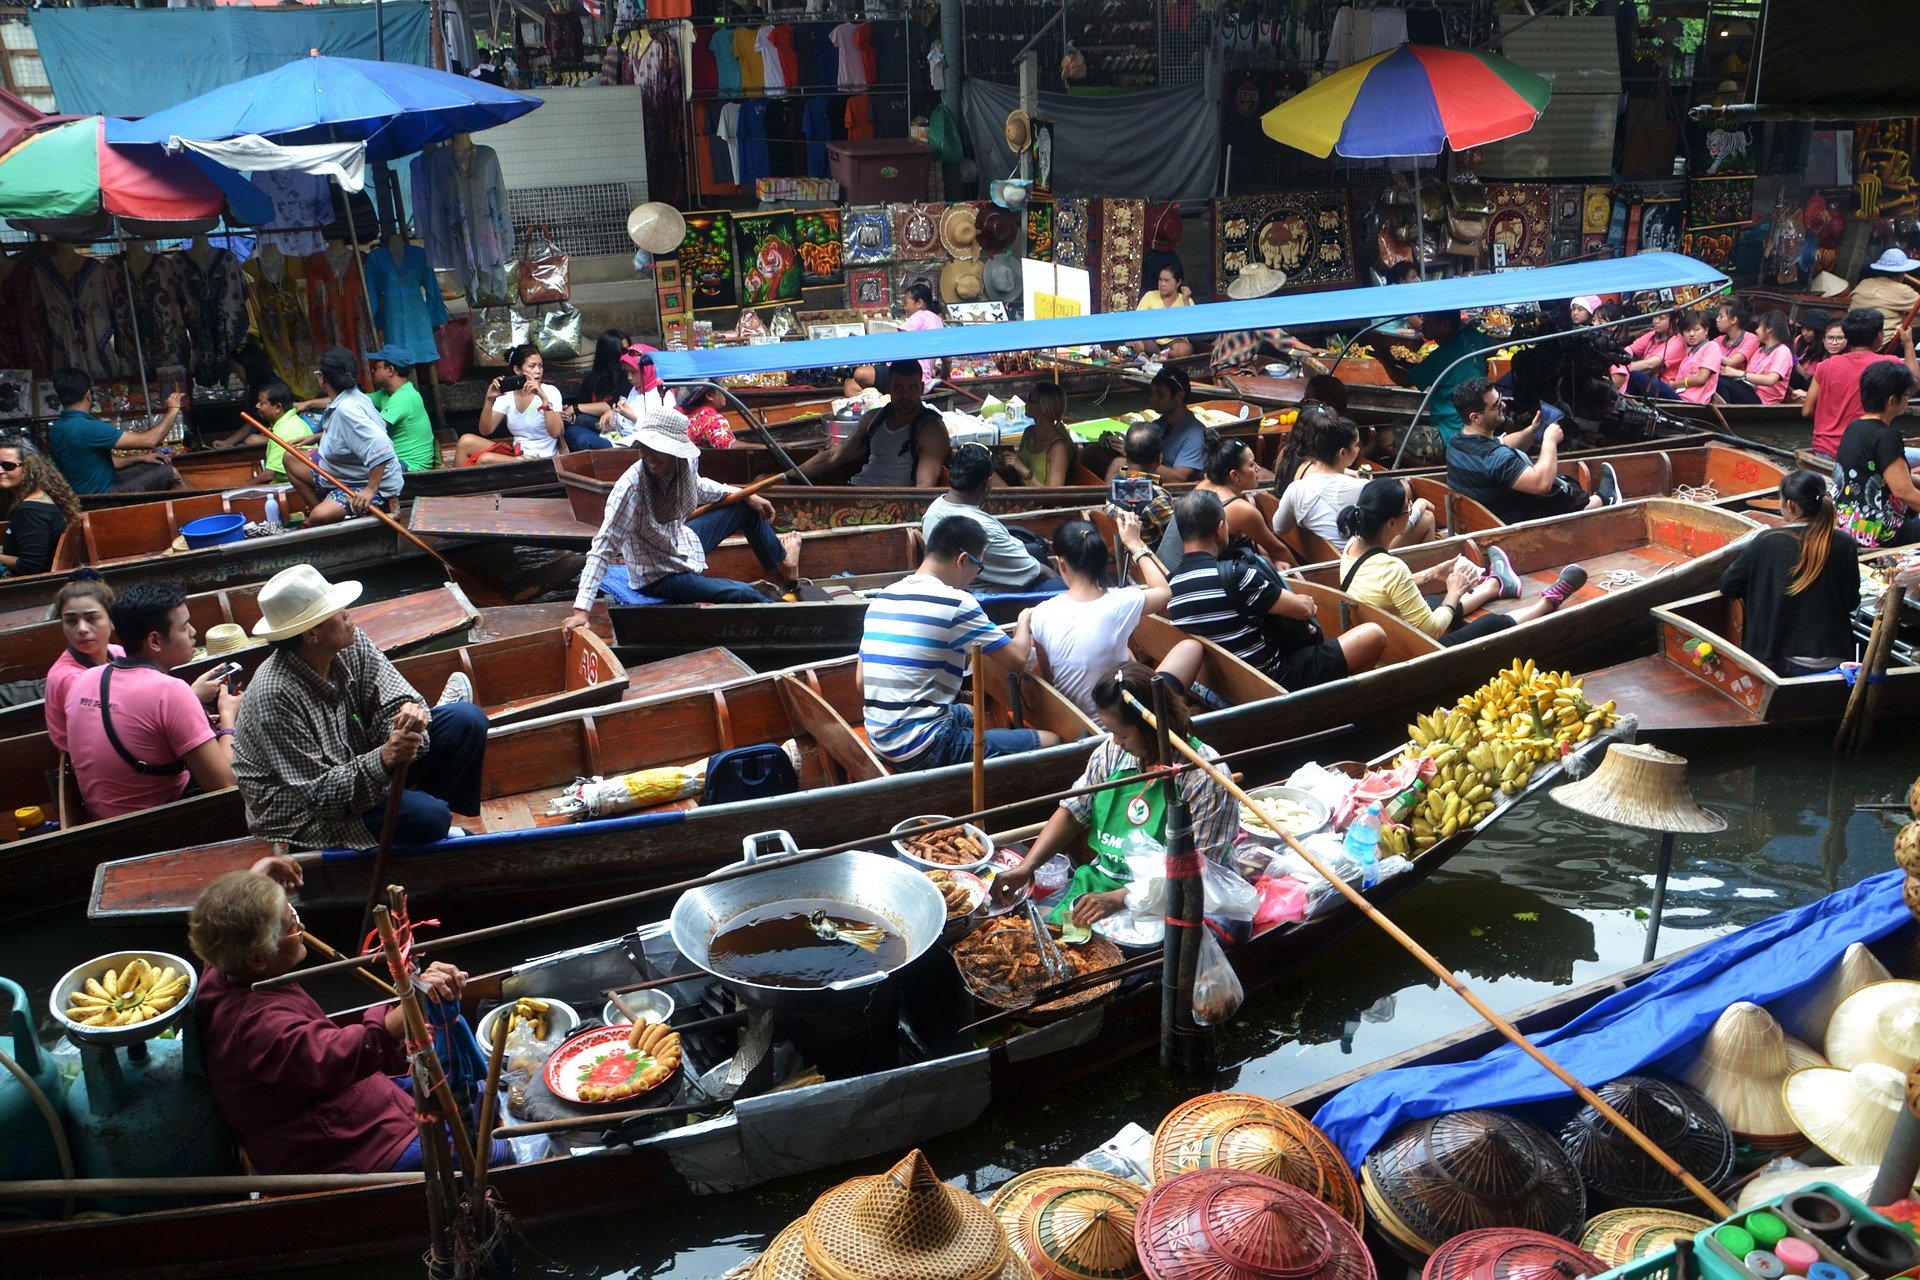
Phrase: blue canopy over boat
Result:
[1662,1016]
[1340,306]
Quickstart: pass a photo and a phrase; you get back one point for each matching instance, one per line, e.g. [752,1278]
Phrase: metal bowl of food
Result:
[561,1019]
[99,1002]
[651,1005]
[1301,813]
[936,842]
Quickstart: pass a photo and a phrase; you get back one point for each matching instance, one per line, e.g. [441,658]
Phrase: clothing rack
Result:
[849,92]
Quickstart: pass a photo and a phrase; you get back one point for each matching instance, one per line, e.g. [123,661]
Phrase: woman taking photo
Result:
[37,503]
[82,607]
[530,409]
[1372,574]
[1801,584]
[1082,633]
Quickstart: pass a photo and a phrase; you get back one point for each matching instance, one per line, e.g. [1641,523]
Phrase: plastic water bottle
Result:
[273,511]
[1363,845]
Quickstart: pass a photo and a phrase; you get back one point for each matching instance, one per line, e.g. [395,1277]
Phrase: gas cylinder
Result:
[146,1111]
[27,1147]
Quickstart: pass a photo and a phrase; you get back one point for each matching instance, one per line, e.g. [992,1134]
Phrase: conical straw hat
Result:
[1878,1023]
[786,1257]
[1766,1188]
[1246,1131]
[1681,1123]
[1509,1253]
[1848,1114]
[1740,1068]
[1620,1236]
[1640,786]
[1806,1013]
[1072,1224]
[906,1224]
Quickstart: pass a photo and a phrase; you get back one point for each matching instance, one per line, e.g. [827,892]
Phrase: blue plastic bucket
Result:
[211,531]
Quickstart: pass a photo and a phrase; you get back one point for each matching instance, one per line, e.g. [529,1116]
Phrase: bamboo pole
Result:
[439,1179]
[214,1185]
[418,1032]
[371,979]
[483,1135]
[979,728]
[1446,975]
[1873,661]
[608,1120]
[396,792]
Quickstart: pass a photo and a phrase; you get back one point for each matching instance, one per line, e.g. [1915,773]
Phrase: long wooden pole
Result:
[214,1185]
[979,728]
[418,1032]
[1446,975]
[315,944]
[483,1136]
[396,793]
[744,491]
[1879,643]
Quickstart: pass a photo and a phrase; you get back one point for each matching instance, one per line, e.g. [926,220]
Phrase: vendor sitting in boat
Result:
[1130,820]
[650,524]
[904,443]
[301,1093]
[355,449]
[328,719]
[1488,463]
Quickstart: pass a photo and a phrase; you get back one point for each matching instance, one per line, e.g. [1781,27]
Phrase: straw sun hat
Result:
[1231,1224]
[1806,1014]
[224,638]
[666,431]
[1847,1114]
[1246,1131]
[1740,1068]
[1511,1253]
[906,1224]
[1256,281]
[960,231]
[300,599]
[1072,1224]
[656,228]
[1878,1023]
[1620,1236]
[1640,786]
[1679,1120]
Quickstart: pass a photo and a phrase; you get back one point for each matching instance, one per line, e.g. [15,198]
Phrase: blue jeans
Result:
[442,782]
[580,438]
[712,529]
[953,744]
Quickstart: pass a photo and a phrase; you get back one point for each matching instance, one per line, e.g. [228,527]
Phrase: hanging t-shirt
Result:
[529,425]
[726,66]
[853,73]
[752,69]
[819,131]
[773,76]
[781,38]
[889,43]
[869,62]
[727,131]
[753,160]
[826,57]
[704,71]
[859,116]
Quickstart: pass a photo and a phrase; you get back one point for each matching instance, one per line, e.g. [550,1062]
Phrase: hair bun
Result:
[84,574]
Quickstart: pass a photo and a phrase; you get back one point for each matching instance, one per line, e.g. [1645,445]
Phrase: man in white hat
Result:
[650,525]
[1885,289]
[328,719]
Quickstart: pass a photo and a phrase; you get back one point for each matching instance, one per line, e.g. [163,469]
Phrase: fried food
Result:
[134,993]
[959,896]
[1002,964]
[534,1013]
[948,846]
[650,1056]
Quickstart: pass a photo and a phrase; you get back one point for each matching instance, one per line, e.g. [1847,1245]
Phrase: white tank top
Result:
[890,452]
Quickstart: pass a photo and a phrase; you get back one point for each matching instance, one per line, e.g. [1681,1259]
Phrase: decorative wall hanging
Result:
[767,247]
[706,260]
[1623,223]
[821,254]
[916,231]
[1715,247]
[670,289]
[1593,244]
[1884,179]
[866,235]
[1121,228]
[1070,232]
[1303,233]
[1567,202]
[1719,147]
[1040,231]
[927,273]
[1521,220]
[1719,202]
[1566,246]
[1596,207]
[868,289]
[1660,227]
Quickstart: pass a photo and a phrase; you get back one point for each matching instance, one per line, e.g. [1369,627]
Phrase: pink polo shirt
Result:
[1672,352]
[1775,359]
[1749,343]
[159,721]
[60,677]
[1708,356]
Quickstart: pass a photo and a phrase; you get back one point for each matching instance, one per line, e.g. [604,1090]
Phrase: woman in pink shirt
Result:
[1700,369]
[1769,373]
[1734,322]
[82,609]
[1654,364]
[921,315]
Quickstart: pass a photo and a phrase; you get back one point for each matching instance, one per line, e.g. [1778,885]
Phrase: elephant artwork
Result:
[1307,234]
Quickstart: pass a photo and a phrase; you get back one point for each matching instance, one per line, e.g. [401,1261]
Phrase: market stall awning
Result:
[70,170]
[1343,306]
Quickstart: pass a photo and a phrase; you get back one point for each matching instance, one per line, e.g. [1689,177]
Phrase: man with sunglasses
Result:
[913,657]
[1488,463]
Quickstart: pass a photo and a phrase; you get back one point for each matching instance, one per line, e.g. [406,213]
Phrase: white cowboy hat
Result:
[300,599]
[1257,281]
[1894,260]
[666,431]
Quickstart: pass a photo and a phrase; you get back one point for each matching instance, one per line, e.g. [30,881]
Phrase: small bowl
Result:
[76,980]
[652,1005]
[561,1020]
[936,821]
[1130,933]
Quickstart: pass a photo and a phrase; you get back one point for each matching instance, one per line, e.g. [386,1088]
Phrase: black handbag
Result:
[749,773]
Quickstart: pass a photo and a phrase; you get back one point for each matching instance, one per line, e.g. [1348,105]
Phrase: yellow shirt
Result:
[1152,301]
[1387,584]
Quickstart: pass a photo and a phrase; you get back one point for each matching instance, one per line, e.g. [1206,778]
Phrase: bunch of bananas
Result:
[134,993]
[1492,740]
[534,1013]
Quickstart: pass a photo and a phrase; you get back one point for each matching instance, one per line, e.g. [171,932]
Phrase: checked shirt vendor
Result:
[1126,821]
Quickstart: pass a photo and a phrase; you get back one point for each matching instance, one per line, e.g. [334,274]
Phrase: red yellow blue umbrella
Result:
[1413,101]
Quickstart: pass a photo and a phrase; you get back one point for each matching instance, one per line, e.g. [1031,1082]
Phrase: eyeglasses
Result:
[967,557]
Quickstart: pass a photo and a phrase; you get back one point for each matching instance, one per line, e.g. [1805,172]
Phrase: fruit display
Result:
[1492,741]
[534,1013]
[135,993]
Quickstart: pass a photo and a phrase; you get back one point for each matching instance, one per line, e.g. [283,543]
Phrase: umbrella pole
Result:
[1659,896]
[1419,224]
[133,314]
[360,265]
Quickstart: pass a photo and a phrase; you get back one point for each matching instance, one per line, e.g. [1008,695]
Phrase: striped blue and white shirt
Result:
[913,657]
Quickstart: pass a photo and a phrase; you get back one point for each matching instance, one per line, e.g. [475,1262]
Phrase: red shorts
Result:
[509,447]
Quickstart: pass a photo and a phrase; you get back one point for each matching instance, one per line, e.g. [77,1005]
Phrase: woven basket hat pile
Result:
[1246,1131]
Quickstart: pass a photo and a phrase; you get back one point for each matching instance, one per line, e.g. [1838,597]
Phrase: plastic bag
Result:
[1227,894]
[1282,899]
[498,331]
[558,333]
[1217,993]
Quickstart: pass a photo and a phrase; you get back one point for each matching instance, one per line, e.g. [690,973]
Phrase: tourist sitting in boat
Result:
[1733,323]
[1876,500]
[1436,601]
[354,449]
[644,389]
[1437,368]
[1653,364]
[1231,474]
[1489,464]
[1130,821]
[83,445]
[707,423]
[1768,375]
[399,404]
[301,1093]
[1884,288]
[914,652]
[1169,290]
[651,526]
[82,607]
[1800,583]
[37,504]
[1820,336]
[921,315]
[1315,479]
[137,733]
[529,408]
[275,406]
[1046,451]
[1582,309]
[1007,563]
[902,443]
[1833,396]
[1699,377]
[1240,602]
[1133,483]
[327,720]
[1082,633]
[603,403]
[1183,440]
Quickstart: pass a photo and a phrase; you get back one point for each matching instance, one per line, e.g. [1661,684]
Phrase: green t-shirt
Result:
[407,423]
[82,447]
[292,428]
[1426,374]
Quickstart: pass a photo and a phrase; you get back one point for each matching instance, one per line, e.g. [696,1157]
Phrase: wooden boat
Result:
[397,625]
[940,1081]
[208,472]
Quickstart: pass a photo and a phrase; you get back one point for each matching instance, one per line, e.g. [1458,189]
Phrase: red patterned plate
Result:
[599,1057]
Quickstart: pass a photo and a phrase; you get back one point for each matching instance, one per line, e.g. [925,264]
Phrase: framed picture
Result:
[1660,226]
[1566,247]
[668,288]
[815,332]
[767,248]
[706,260]
[821,251]
[869,289]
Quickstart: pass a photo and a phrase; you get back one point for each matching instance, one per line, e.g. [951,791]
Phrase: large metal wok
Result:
[901,898]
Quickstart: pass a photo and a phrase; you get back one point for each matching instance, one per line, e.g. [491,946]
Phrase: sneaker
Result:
[1571,579]
[1608,486]
[459,689]
[1501,571]
[456,833]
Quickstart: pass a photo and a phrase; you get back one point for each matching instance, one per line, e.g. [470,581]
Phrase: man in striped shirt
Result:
[913,657]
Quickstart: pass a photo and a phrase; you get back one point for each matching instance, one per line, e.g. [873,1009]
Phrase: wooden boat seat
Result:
[813,715]
[1340,613]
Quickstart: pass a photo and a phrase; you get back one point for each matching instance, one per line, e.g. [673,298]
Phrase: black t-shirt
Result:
[32,534]
[1817,623]
[1866,508]
[1484,469]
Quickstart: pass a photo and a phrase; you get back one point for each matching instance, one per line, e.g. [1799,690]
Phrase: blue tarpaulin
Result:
[132,62]
[1341,306]
[1633,1029]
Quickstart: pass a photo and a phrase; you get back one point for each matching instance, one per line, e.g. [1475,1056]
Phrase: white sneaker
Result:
[459,689]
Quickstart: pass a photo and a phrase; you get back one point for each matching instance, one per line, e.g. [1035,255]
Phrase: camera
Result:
[513,382]
[1130,493]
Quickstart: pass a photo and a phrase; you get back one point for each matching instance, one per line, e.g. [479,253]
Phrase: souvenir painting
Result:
[706,260]
[1718,202]
[1303,233]
[1595,245]
[1121,230]
[1884,179]
[866,234]
[1070,233]
[820,248]
[1659,227]
[1566,247]
[1713,246]
[1520,219]
[916,231]
[767,249]
[868,289]
[1566,208]
[1040,231]
[1596,210]
[1622,223]
[917,272]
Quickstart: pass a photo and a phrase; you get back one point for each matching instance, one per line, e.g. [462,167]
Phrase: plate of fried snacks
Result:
[614,1064]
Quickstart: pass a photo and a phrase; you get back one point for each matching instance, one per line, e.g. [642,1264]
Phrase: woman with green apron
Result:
[1124,820]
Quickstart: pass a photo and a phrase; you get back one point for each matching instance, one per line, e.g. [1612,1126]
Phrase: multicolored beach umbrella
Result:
[1414,101]
[70,170]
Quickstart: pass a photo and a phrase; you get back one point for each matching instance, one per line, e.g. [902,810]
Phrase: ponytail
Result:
[1380,503]
[1081,548]
[1808,491]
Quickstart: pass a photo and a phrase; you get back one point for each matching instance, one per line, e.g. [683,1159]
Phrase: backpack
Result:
[1286,635]
[749,773]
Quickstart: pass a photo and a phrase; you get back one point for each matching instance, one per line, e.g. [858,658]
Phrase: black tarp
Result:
[1854,60]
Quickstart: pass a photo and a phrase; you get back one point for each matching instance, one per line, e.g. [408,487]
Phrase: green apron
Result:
[1121,818]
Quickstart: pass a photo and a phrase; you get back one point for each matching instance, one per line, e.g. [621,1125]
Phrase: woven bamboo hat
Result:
[1446,1174]
[1766,1188]
[1246,1131]
[1848,1114]
[1806,1014]
[1256,280]
[960,231]
[1640,786]
[1741,1065]
[1878,1023]
[906,1224]
[227,637]
[1620,1236]
[656,228]
[1072,1224]
[1509,1253]
[1680,1121]
[1229,1224]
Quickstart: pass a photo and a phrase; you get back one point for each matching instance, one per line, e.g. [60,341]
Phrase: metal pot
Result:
[885,888]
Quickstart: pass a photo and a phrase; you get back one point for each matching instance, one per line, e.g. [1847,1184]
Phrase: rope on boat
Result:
[1614,579]
[1704,494]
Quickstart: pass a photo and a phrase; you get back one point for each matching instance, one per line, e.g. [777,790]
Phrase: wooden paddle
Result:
[744,491]
[1446,975]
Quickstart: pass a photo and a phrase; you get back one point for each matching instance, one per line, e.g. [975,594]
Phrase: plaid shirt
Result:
[1210,807]
[646,523]
[306,751]
[1156,515]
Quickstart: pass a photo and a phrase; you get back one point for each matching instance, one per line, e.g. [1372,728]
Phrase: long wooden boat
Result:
[208,472]
[941,1081]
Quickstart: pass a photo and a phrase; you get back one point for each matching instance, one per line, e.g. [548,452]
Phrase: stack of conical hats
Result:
[1246,1131]
[1741,1067]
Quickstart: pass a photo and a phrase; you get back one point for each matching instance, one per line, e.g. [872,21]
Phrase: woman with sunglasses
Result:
[37,503]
